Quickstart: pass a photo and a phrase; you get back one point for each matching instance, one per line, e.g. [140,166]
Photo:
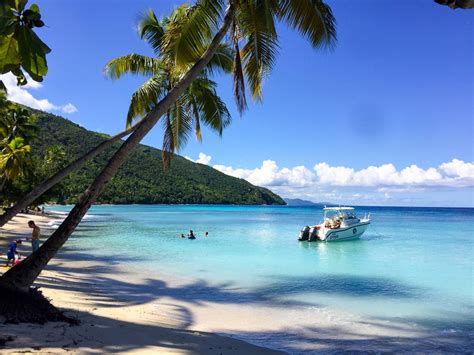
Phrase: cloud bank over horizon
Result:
[383,184]
[22,95]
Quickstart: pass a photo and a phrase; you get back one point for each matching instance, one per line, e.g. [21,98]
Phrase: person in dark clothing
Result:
[191,235]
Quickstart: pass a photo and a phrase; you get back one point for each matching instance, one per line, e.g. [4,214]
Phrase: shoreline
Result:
[125,327]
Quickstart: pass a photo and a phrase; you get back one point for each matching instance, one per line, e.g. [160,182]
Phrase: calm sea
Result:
[413,264]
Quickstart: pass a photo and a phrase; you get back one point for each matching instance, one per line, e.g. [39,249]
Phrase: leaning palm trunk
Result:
[22,276]
[47,184]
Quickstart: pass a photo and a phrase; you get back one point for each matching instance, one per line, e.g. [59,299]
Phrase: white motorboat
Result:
[340,223]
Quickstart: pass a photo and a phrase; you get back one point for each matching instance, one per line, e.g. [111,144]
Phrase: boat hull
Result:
[347,233]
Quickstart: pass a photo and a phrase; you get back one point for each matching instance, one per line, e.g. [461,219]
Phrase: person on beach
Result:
[191,235]
[12,252]
[35,236]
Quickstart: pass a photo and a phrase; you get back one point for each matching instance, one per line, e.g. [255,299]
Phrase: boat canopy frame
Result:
[342,212]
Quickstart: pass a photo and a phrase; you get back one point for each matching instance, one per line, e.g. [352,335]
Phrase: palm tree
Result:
[55,157]
[18,122]
[198,104]
[252,25]
[13,158]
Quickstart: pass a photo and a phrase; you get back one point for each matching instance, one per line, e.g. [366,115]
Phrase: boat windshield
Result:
[336,213]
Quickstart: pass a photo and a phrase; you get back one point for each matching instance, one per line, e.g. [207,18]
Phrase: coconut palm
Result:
[18,122]
[252,26]
[198,104]
[13,159]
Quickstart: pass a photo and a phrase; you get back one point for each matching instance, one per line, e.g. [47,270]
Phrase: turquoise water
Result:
[412,264]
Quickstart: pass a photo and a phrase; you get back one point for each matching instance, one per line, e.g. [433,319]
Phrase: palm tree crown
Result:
[13,159]
[198,104]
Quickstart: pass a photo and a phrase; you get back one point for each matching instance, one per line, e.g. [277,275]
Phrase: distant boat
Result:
[340,223]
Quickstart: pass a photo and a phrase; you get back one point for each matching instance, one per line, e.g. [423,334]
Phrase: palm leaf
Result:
[208,106]
[146,97]
[221,62]
[150,29]
[168,142]
[238,74]
[257,26]
[195,32]
[312,18]
[132,64]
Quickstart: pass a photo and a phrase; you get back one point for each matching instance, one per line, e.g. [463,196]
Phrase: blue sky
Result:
[396,94]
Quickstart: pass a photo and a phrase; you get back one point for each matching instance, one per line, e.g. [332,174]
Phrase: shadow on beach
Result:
[108,335]
[105,291]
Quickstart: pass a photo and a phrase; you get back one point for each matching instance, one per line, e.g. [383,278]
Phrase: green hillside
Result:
[142,178]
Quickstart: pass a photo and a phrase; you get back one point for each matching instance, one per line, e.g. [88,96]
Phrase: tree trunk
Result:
[22,276]
[47,184]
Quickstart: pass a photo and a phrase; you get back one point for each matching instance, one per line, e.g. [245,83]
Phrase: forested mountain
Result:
[142,179]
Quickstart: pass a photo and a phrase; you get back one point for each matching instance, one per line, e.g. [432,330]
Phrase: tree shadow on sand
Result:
[107,335]
[102,290]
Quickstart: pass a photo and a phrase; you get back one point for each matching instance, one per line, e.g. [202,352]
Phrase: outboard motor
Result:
[313,234]
[304,234]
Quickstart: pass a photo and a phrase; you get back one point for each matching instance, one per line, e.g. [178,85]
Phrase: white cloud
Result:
[458,168]
[269,174]
[455,173]
[203,159]
[69,108]
[384,175]
[22,95]
[373,185]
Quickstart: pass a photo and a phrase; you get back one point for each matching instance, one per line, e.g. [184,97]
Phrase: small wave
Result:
[90,216]
[54,223]
[62,213]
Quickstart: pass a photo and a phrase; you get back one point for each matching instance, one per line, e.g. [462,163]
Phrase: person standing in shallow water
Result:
[191,235]
[35,236]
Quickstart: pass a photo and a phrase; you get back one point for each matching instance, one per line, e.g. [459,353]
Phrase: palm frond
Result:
[210,108]
[195,32]
[168,142]
[132,64]
[150,29]
[221,62]
[181,124]
[13,158]
[312,18]
[146,97]
[197,119]
[238,74]
[257,26]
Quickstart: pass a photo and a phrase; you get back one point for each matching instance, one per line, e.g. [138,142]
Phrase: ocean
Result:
[412,266]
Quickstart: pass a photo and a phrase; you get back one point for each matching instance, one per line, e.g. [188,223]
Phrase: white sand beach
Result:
[122,310]
[108,324]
